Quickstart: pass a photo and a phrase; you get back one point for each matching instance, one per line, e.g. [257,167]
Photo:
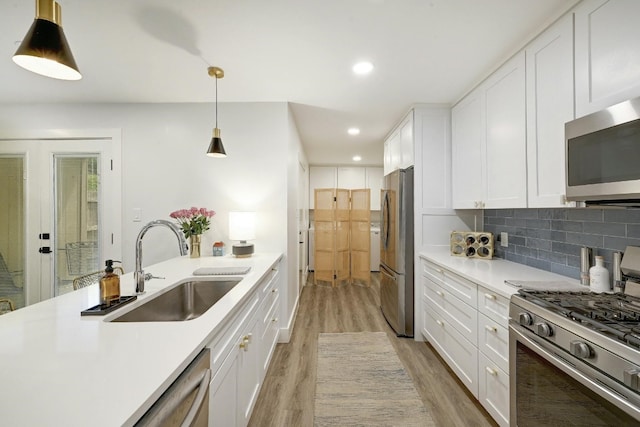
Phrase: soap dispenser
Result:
[109,285]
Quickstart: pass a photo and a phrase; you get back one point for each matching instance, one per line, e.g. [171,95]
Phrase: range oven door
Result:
[550,387]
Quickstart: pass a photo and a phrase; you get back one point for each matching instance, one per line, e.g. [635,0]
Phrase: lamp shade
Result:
[216,149]
[242,226]
[45,50]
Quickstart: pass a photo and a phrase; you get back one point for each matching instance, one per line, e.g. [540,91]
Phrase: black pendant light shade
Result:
[216,149]
[45,50]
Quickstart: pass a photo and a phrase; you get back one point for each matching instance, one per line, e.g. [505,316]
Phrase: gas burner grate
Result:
[614,315]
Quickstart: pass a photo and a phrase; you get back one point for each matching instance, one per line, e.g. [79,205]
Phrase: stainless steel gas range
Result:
[574,359]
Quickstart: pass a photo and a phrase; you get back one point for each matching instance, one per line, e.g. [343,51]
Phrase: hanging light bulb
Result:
[45,50]
[216,149]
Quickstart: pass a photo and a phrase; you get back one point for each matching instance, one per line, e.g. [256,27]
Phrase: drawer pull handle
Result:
[440,293]
[440,323]
[491,329]
[274,319]
[439,270]
[492,372]
[490,296]
[274,290]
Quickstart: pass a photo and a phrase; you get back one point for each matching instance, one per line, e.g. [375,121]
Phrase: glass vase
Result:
[194,246]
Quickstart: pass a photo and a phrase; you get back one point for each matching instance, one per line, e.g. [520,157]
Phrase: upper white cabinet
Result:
[506,143]
[398,147]
[489,142]
[468,139]
[321,177]
[549,106]
[374,183]
[607,53]
[351,177]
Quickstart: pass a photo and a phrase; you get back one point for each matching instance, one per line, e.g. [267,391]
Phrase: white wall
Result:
[165,167]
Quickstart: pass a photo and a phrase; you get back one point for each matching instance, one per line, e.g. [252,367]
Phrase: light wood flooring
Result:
[287,395]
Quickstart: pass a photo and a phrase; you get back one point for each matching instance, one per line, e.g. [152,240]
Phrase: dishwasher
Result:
[186,401]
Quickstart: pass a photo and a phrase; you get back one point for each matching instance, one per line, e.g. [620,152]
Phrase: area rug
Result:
[361,382]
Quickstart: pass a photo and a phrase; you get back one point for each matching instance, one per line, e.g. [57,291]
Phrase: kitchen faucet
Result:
[139,275]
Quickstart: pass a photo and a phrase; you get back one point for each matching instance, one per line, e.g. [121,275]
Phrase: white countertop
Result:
[492,273]
[58,368]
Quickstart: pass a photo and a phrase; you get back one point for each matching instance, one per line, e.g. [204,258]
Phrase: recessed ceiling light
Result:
[357,158]
[363,67]
[353,131]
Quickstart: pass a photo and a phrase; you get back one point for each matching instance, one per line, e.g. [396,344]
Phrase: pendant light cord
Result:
[216,101]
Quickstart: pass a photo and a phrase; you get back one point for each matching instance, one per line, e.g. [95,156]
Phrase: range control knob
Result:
[543,329]
[525,319]
[580,349]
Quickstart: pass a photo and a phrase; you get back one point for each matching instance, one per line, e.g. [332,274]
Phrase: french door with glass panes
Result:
[55,222]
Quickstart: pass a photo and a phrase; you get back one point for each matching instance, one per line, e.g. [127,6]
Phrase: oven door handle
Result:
[626,403]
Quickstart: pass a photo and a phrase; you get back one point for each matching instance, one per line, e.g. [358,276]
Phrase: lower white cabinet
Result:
[493,387]
[241,353]
[467,324]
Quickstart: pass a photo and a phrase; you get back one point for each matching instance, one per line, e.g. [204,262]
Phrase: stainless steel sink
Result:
[186,301]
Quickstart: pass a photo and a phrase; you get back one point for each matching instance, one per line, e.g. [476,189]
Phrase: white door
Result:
[60,215]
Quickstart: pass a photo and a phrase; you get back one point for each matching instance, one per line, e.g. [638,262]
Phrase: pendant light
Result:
[44,49]
[216,149]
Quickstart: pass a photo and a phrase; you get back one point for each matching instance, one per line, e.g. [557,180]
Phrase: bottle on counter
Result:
[109,285]
[599,277]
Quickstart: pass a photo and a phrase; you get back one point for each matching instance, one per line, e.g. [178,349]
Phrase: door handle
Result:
[45,250]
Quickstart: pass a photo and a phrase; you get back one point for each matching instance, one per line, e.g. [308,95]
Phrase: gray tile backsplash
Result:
[550,239]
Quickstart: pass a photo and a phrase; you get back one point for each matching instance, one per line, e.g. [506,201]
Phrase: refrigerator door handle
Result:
[383,271]
[385,220]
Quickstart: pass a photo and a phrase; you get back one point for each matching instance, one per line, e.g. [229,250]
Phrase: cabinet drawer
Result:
[432,271]
[494,390]
[493,341]
[461,288]
[269,339]
[460,354]
[222,345]
[494,306]
[460,315]
[270,283]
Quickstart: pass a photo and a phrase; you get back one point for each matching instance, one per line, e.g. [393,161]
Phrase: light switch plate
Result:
[137,214]
[504,239]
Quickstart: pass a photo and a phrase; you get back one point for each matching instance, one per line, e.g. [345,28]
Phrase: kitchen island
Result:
[60,368]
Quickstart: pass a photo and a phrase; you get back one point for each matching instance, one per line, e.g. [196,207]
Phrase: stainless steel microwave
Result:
[603,156]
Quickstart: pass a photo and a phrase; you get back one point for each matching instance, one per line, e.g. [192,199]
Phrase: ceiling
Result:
[298,51]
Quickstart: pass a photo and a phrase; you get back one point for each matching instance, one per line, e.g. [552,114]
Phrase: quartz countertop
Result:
[58,368]
[492,273]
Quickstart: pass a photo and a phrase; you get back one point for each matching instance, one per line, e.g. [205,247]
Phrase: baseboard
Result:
[284,336]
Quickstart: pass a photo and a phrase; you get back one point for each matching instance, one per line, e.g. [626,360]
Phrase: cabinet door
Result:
[467,139]
[374,183]
[494,390]
[549,107]
[432,146]
[386,163]
[352,178]
[248,371]
[406,142]
[395,156]
[506,145]
[223,392]
[607,55]
[321,177]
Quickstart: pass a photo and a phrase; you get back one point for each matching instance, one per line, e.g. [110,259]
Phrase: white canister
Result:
[599,277]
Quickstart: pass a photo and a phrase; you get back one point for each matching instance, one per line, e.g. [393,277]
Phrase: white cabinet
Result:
[549,106]
[467,324]
[351,178]
[321,177]
[374,183]
[467,146]
[241,353]
[506,144]
[489,142]
[398,147]
[606,53]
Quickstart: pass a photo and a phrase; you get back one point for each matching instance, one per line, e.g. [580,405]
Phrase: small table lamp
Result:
[242,227]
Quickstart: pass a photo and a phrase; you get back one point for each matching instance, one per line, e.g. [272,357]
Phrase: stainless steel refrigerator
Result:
[396,251]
